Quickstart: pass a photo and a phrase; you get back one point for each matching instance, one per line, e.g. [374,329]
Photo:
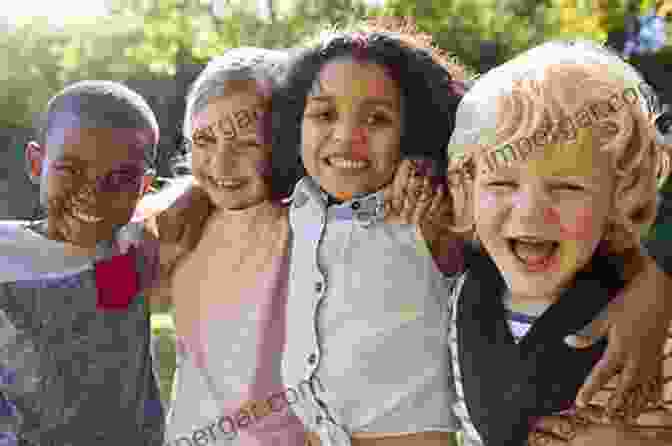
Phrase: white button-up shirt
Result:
[367,322]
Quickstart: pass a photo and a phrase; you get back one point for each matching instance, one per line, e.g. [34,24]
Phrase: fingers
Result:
[545,439]
[624,392]
[435,205]
[603,371]
[423,202]
[405,172]
[632,396]
[388,198]
[591,414]
[560,426]
[409,199]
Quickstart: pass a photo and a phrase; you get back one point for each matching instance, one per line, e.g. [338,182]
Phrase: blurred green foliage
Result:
[149,39]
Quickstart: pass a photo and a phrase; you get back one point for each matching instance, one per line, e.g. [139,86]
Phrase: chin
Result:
[235,204]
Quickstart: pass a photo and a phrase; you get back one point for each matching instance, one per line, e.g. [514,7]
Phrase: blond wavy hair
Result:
[544,97]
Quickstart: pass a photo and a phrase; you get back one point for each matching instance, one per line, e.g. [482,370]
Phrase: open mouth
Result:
[535,254]
[340,162]
[225,184]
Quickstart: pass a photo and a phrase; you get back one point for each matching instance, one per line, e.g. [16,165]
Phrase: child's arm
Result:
[174,218]
[639,318]
[556,430]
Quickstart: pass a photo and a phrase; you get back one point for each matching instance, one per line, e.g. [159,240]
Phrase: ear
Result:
[632,211]
[34,155]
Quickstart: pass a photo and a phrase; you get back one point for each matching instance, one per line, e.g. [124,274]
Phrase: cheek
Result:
[485,205]
[488,212]
[576,224]
[579,234]
[360,142]
[382,147]
[197,161]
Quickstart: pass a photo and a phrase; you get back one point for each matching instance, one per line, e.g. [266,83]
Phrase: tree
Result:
[460,26]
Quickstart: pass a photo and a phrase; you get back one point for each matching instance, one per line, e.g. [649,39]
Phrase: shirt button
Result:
[312,358]
[355,206]
[318,287]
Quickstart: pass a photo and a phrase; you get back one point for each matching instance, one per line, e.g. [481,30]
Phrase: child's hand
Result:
[587,427]
[411,198]
[640,320]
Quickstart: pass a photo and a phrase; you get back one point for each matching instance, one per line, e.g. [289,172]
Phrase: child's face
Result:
[351,128]
[229,159]
[94,179]
[541,219]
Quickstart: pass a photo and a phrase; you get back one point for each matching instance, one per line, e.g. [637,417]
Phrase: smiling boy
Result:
[76,334]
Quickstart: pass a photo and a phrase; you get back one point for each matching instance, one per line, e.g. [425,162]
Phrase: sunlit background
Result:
[64,11]
[58,12]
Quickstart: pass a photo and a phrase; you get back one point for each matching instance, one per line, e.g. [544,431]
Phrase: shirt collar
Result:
[365,210]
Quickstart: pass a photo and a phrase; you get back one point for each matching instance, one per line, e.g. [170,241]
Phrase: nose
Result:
[350,130]
[223,161]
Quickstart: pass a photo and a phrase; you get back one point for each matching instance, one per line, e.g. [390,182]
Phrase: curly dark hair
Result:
[430,84]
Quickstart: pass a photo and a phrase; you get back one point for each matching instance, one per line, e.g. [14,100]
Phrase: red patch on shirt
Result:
[117,281]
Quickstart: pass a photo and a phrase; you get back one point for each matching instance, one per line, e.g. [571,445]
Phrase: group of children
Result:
[353,259]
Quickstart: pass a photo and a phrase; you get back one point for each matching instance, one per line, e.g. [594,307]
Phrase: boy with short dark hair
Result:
[75,333]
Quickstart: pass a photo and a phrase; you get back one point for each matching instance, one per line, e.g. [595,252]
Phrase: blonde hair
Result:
[544,97]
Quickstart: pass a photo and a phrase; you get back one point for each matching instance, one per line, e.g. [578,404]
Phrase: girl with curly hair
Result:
[364,293]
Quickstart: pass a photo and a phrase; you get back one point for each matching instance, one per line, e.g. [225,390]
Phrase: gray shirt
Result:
[78,374]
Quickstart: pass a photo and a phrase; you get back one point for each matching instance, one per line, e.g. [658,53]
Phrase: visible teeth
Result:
[348,164]
[533,252]
[85,217]
[225,183]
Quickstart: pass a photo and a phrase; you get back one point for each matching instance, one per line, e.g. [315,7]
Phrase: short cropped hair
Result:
[428,85]
[102,104]
[543,97]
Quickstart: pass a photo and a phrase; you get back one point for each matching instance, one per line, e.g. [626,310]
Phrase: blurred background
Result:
[158,47]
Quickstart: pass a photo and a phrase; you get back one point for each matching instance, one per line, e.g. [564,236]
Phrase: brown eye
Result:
[322,115]
[377,119]
[68,170]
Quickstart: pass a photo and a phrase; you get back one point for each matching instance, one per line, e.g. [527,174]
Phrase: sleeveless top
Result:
[75,357]
[228,387]
[367,322]
[497,405]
